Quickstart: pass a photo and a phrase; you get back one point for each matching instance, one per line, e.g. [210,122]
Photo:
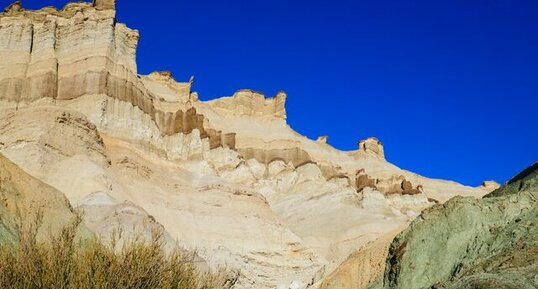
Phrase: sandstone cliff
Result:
[25,200]
[81,53]
[227,177]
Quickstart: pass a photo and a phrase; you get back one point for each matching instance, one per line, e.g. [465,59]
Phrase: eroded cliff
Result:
[227,177]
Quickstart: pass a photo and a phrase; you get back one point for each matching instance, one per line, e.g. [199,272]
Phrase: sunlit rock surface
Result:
[228,178]
[468,243]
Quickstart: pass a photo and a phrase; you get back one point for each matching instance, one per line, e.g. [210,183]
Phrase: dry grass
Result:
[65,262]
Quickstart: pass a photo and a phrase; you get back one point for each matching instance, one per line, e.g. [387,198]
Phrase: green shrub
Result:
[67,262]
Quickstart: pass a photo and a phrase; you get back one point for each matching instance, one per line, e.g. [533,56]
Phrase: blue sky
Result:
[449,87]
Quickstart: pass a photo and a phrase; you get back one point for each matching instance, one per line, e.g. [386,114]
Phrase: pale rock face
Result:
[23,196]
[372,146]
[224,159]
[490,185]
[258,170]
[240,175]
[81,53]
[342,182]
[396,184]
[171,92]
[57,142]
[309,172]
[104,4]
[247,102]
[277,167]
[126,222]
[322,139]
[227,177]
[13,8]
[228,225]
[362,268]
[108,218]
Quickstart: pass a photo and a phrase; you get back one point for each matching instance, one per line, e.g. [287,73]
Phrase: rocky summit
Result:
[229,179]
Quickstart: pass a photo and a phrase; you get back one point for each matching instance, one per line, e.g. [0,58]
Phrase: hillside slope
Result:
[468,243]
[23,198]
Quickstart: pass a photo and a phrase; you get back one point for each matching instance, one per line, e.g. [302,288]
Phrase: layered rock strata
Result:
[227,177]
[81,50]
[372,146]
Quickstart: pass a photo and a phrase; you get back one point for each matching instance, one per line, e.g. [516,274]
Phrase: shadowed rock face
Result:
[362,268]
[468,243]
[527,180]
[23,196]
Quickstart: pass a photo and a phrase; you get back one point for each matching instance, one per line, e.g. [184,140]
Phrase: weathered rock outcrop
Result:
[227,177]
[469,243]
[372,146]
[247,102]
[392,185]
[56,143]
[490,185]
[108,218]
[23,198]
[81,51]
[322,139]
[527,180]
[104,4]
[363,268]
[118,223]
[81,57]
[296,156]
[228,224]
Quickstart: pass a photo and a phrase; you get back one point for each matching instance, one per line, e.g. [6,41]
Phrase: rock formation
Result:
[80,54]
[227,177]
[490,185]
[104,4]
[469,243]
[363,268]
[527,180]
[373,147]
[393,185]
[252,103]
[24,198]
[125,222]
[322,139]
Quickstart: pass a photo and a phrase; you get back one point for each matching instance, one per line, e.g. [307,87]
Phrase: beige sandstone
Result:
[227,177]
[362,268]
[490,185]
[373,147]
[27,201]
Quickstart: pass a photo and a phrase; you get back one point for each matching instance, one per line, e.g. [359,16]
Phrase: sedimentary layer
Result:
[226,177]
[81,50]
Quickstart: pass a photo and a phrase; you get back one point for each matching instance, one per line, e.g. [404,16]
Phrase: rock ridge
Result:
[227,176]
[81,50]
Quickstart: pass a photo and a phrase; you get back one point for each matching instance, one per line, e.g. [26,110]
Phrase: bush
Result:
[67,262]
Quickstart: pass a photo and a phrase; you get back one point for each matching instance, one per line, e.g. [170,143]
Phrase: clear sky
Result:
[449,87]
